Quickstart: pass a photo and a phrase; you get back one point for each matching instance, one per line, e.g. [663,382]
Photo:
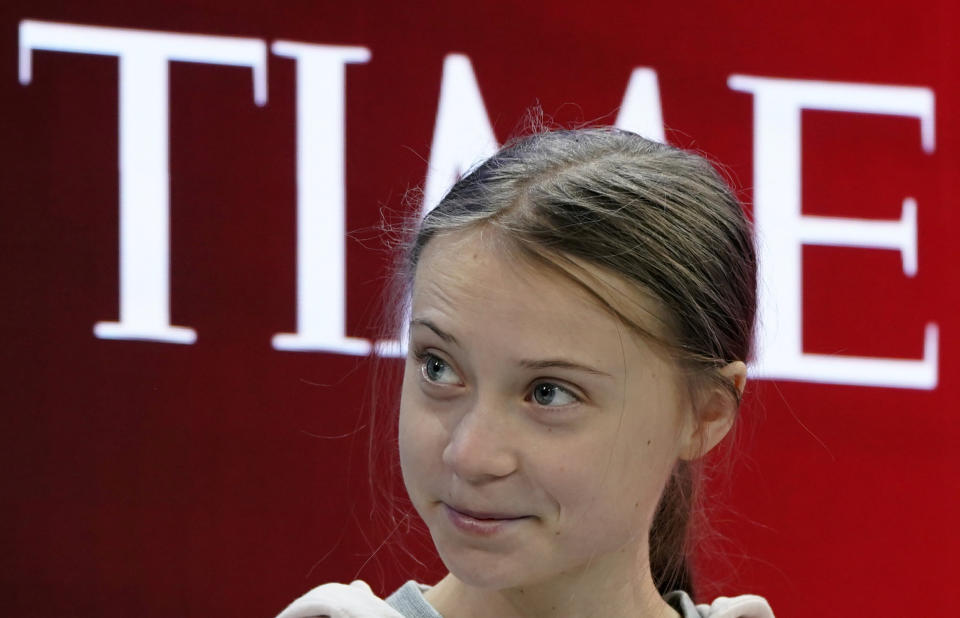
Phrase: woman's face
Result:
[536,431]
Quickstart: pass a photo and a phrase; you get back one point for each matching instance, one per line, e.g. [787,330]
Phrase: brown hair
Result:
[659,217]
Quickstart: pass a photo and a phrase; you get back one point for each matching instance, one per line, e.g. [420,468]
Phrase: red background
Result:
[209,479]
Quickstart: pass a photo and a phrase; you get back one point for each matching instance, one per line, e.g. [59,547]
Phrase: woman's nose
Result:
[480,447]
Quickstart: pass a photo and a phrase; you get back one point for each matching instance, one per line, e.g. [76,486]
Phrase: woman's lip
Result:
[483,516]
[481,524]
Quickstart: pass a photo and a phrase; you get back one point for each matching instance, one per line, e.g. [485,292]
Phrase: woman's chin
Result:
[486,572]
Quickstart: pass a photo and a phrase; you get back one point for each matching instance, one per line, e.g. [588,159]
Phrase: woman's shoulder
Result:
[743,606]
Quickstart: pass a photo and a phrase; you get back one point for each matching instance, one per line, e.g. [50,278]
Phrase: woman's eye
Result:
[435,369]
[549,394]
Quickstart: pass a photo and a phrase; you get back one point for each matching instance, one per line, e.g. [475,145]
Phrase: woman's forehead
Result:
[468,267]
[478,282]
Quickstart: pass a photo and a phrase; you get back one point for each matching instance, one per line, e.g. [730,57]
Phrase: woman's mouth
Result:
[482,523]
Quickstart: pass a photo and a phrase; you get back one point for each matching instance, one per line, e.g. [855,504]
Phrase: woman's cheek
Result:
[406,441]
[420,450]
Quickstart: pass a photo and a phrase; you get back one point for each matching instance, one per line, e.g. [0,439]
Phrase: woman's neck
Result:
[573,595]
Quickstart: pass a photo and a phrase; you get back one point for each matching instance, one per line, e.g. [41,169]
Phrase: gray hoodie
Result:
[358,601]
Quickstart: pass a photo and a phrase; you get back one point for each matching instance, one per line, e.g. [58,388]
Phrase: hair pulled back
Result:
[657,216]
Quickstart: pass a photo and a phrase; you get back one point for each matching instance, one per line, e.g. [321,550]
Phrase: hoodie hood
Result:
[358,601]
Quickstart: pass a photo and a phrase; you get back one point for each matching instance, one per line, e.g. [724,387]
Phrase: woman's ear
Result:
[714,412]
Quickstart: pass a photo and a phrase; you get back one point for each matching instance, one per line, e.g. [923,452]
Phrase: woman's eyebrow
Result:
[559,363]
[436,329]
[552,363]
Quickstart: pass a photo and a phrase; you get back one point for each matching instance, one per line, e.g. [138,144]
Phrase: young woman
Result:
[582,311]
